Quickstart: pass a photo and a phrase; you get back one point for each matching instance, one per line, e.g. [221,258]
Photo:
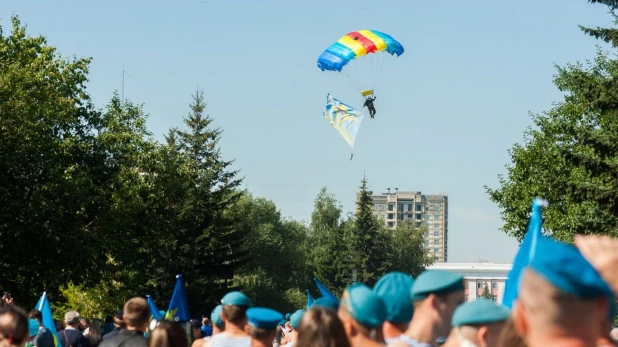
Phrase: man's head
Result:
[295,319]
[71,318]
[556,290]
[36,315]
[14,328]
[395,289]
[436,295]
[479,322]
[262,323]
[361,311]
[217,321]
[136,314]
[235,305]
[196,328]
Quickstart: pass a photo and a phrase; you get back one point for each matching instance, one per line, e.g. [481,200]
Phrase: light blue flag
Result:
[344,118]
[526,252]
[324,291]
[178,309]
[309,299]
[48,318]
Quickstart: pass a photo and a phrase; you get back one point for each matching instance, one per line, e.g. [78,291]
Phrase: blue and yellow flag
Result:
[344,118]
[309,299]
[48,319]
[155,314]
[178,310]
[324,291]
[526,252]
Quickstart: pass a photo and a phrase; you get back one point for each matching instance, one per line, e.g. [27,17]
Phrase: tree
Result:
[328,248]
[368,241]
[407,251]
[609,35]
[200,239]
[486,293]
[571,157]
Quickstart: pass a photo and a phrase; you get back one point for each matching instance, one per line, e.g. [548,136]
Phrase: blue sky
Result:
[448,109]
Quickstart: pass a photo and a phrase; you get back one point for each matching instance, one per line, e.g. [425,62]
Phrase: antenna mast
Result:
[124,73]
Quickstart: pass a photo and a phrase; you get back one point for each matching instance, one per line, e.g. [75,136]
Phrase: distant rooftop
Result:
[485,266]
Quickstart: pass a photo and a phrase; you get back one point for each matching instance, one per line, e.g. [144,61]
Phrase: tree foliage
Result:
[570,157]
[486,293]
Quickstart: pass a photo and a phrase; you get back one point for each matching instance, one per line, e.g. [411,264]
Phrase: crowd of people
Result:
[566,297]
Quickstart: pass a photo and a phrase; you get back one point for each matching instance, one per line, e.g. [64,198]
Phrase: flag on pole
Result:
[48,319]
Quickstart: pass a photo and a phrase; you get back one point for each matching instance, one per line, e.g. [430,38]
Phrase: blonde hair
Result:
[136,312]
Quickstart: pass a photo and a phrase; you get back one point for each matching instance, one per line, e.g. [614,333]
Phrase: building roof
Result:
[471,269]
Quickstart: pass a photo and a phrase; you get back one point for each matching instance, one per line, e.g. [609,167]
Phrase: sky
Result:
[448,109]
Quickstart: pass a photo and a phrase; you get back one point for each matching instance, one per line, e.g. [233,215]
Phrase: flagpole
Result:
[40,308]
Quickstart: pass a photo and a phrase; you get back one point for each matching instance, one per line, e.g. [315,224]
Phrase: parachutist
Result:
[369,105]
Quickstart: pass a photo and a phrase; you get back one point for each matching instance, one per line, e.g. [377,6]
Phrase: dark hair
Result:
[13,325]
[36,314]
[321,327]
[235,314]
[168,334]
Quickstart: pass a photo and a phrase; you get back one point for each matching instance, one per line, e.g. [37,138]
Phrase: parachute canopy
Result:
[357,44]
[362,56]
[344,118]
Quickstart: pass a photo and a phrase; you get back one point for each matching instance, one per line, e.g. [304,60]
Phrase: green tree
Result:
[486,293]
[609,35]
[570,158]
[328,245]
[407,251]
[46,186]
[204,243]
[369,240]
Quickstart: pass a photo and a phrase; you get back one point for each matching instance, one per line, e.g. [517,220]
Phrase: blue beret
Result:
[326,302]
[263,318]
[436,282]
[33,327]
[365,306]
[394,289]
[480,311]
[161,312]
[287,316]
[282,322]
[215,316]
[236,299]
[565,268]
[295,318]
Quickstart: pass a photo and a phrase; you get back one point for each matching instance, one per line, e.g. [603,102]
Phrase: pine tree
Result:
[209,238]
[608,35]
[368,246]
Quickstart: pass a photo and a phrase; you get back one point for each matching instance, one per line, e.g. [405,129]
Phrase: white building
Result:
[476,275]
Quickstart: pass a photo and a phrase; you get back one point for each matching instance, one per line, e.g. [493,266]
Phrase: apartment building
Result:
[430,211]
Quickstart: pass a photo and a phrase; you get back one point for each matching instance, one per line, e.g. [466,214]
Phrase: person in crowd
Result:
[44,338]
[321,327]
[436,294]
[562,300]
[394,289]
[136,316]
[235,305]
[93,333]
[168,334]
[477,323]
[14,329]
[295,319]
[196,330]
[602,253]
[118,325]
[206,327]
[33,330]
[84,325]
[362,313]
[108,325]
[71,336]
[218,325]
[262,325]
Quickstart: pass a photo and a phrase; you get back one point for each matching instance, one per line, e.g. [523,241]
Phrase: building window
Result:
[436,233]
[390,224]
[390,216]
[494,298]
[479,284]
[409,207]
[418,216]
[390,207]
[436,241]
[436,250]
[419,207]
[494,284]
[436,225]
